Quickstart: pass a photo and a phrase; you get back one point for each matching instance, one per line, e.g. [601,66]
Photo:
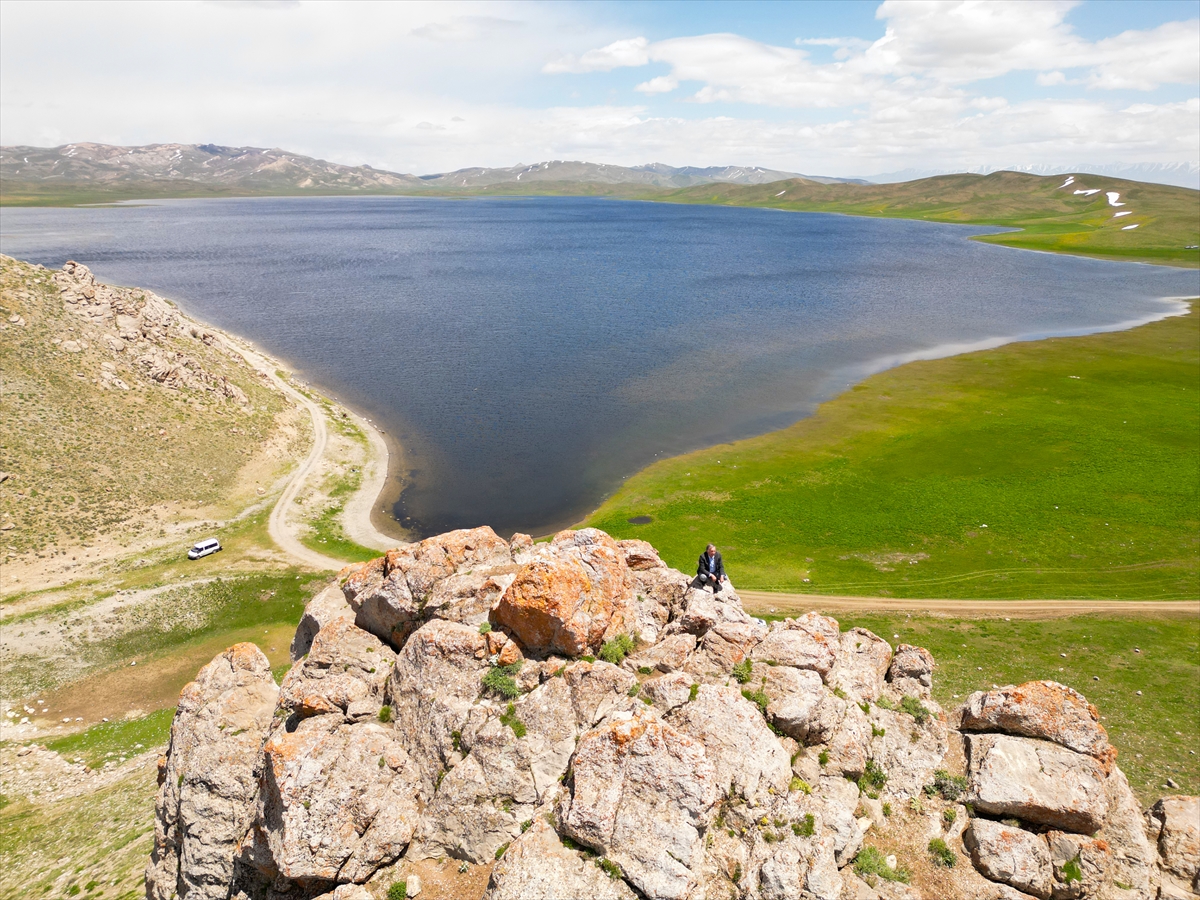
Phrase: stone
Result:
[791,644]
[800,706]
[572,596]
[909,752]
[416,582]
[640,555]
[504,778]
[862,664]
[538,866]
[597,689]
[208,781]
[699,611]
[1010,855]
[1036,781]
[336,803]
[344,666]
[1045,710]
[668,655]
[747,758]
[669,691]
[838,799]
[437,678]
[642,793]
[911,670]
[1081,865]
[1175,828]
[413,885]
[728,643]
[1133,856]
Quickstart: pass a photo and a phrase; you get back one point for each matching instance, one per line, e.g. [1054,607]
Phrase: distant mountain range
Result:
[208,168]
[88,172]
[1185,174]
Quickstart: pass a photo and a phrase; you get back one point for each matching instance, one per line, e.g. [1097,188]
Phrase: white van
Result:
[203,548]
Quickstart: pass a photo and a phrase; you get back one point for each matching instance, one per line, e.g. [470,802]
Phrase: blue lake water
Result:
[530,354]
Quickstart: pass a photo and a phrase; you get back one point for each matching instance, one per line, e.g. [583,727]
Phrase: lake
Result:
[529,354]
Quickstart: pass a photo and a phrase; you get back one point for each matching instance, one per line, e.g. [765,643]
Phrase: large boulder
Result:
[642,794]
[437,678]
[799,705]
[337,801]
[748,760]
[344,672]
[1010,855]
[325,607]
[1036,781]
[538,866]
[1174,825]
[800,643]
[862,665]
[207,781]
[392,596]
[573,595]
[1041,709]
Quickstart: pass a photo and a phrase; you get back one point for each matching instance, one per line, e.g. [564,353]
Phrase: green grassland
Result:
[1065,468]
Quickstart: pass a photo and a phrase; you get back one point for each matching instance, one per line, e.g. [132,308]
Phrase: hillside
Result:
[585,173]
[1069,214]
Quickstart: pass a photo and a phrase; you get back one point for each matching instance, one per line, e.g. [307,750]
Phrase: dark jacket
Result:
[718,567]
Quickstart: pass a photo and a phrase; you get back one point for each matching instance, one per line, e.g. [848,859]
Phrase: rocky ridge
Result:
[578,717]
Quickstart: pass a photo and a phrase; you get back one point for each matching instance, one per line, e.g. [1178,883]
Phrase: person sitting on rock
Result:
[710,570]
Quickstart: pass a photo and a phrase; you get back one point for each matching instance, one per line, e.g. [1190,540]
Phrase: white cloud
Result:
[629,52]
[465,28]
[663,84]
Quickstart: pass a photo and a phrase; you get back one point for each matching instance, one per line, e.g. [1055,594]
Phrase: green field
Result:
[1065,468]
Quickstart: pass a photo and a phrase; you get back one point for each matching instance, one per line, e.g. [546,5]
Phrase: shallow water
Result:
[529,354]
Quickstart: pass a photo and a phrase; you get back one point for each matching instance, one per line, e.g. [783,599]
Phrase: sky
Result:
[843,89]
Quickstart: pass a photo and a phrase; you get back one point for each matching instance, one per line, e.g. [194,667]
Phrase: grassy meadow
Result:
[1065,468]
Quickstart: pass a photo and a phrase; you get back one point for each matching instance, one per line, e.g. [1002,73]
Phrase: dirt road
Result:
[783,604]
[359,525]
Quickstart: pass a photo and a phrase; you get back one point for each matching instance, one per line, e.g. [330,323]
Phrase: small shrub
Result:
[758,698]
[485,628]
[587,657]
[609,868]
[692,692]
[737,873]
[865,706]
[438,783]
[873,776]
[382,762]
[510,719]
[799,784]
[915,708]
[951,787]
[805,828]
[500,850]
[385,714]
[742,671]
[633,689]
[876,731]
[823,758]
[526,825]
[887,809]
[456,741]
[398,891]
[942,855]
[870,862]
[838,692]
[885,703]
[499,680]
[645,670]
[916,805]
[615,650]
[1071,871]
[948,817]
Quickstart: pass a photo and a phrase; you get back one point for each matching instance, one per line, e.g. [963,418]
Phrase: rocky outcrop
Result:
[139,321]
[445,701]
[208,779]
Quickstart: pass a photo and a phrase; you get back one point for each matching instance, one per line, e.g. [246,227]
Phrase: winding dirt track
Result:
[281,532]
[768,601]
